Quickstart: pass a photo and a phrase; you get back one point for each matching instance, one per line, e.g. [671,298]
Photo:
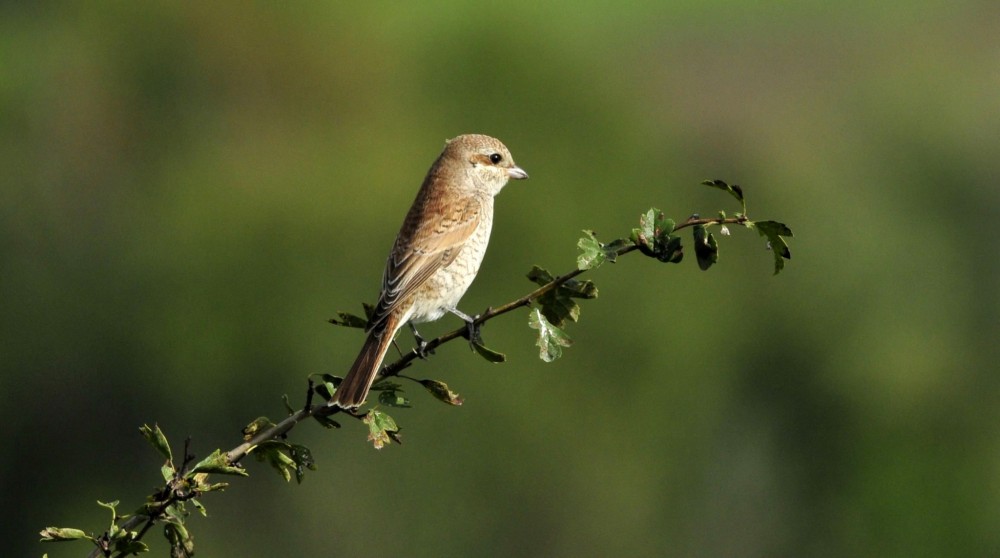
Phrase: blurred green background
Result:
[189,191]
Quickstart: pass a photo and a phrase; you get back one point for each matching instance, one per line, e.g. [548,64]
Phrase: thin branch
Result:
[236,454]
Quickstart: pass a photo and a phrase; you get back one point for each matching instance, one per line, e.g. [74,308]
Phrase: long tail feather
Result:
[353,390]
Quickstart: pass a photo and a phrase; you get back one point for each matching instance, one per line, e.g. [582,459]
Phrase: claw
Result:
[473,333]
[472,328]
[421,348]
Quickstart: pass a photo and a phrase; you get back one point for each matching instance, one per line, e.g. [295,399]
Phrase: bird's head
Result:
[486,159]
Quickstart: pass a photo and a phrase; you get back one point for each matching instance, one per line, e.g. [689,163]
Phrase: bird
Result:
[436,254]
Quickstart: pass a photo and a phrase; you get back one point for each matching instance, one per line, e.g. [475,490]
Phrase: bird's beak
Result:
[517,173]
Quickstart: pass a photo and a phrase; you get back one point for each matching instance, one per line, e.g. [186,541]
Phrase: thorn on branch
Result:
[187,459]
[309,395]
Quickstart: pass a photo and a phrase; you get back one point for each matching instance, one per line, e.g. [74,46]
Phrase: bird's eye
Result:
[496,158]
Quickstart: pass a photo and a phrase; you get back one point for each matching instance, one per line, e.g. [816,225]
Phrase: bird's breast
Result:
[445,288]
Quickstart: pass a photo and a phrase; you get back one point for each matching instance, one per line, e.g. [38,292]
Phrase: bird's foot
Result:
[421,349]
[472,332]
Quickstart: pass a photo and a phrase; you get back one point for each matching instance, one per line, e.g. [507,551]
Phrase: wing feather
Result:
[431,238]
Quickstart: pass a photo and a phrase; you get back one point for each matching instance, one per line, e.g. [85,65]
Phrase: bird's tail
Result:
[353,390]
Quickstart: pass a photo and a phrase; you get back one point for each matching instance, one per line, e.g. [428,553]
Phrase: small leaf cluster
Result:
[773,231]
[653,237]
[656,238]
[286,458]
[551,339]
[558,304]
[775,234]
[184,483]
[115,540]
[593,253]
[382,428]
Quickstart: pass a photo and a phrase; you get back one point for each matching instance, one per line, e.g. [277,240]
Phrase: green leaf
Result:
[203,488]
[614,248]
[654,226]
[706,249]
[653,237]
[181,542]
[175,512]
[393,398]
[774,228]
[369,310]
[489,354]
[274,453]
[324,390]
[672,251]
[556,304]
[61,534]
[168,472]
[551,339]
[155,437]
[645,234]
[288,406]
[441,392]
[579,289]
[775,233]
[330,378]
[258,425]
[557,307]
[386,385]
[128,546]
[592,254]
[346,319]
[199,506]
[734,190]
[381,428]
[326,421]
[114,513]
[391,394]
[216,463]
[539,276]
[303,460]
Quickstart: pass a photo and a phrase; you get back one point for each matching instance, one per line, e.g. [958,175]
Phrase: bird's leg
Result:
[421,348]
[472,333]
[398,350]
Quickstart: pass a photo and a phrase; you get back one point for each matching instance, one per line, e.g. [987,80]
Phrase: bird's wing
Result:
[431,238]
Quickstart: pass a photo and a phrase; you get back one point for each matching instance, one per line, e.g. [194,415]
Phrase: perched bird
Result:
[437,251]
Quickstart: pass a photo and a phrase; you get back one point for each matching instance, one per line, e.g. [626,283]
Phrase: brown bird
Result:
[437,251]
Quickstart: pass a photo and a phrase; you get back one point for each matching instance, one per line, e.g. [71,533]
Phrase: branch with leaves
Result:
[553,304]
